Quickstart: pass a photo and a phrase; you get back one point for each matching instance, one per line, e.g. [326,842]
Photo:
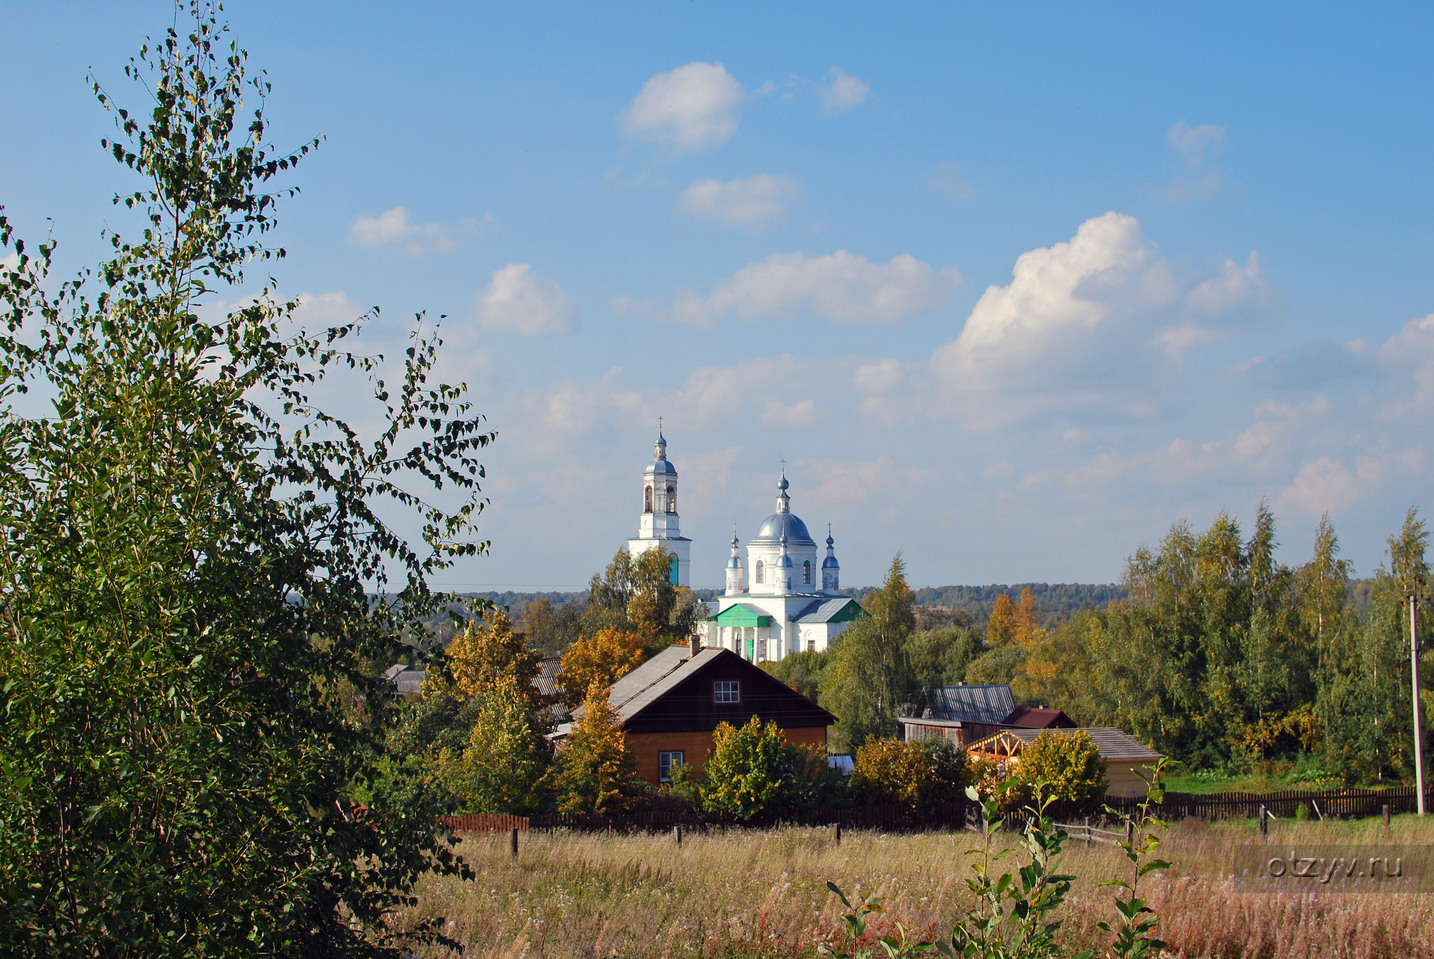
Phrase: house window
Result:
[726,691]
[667,759]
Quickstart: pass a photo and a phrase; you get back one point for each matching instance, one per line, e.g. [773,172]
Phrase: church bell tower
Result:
[659,524]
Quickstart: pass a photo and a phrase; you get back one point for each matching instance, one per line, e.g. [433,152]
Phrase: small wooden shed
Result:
[1124,756]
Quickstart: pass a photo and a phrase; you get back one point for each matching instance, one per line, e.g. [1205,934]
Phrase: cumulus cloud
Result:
[754,201]
[840,287]
[1091,321]
[398,229]
[1411,351]
[521,301]
[842,91]
[1323,485]
[1060,294]
[690,108]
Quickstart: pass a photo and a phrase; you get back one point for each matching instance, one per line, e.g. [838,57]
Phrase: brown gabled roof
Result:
[1114,745]
[1029,717]
[661,675]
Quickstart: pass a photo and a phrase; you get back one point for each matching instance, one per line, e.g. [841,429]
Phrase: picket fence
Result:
[1341,803]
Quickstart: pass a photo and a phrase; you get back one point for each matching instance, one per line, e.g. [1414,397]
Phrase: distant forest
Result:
[1057,602]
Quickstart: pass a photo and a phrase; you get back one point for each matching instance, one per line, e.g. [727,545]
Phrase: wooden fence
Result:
[1342,803]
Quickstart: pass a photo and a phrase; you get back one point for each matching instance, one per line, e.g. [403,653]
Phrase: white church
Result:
[791,602]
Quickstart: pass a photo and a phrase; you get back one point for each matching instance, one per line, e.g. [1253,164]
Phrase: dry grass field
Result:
[760,894]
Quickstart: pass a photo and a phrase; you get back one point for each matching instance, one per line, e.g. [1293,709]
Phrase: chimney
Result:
[694,644]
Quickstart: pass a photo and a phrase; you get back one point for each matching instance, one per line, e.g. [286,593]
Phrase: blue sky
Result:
[1011,288]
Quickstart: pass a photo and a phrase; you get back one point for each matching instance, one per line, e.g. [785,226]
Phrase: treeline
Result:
[1227,659]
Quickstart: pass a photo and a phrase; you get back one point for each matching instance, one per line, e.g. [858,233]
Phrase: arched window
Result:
[759,578]
[647,500]
[807,571]
[672,499]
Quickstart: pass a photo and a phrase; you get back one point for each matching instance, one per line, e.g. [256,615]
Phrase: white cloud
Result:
[1324,485]
[842,91]
[1412,350]
[398,228]
[878,377]
[1193,143]
[798,416]
[322,310]
[1092,322]
[1060,294]
[841,287]
[521,301]
[754,201]
[689,108]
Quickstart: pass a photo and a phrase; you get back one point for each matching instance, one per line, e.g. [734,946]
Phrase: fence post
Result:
[836,833]
[1386,820]
[513,843]
[1130,832]
[1264,822]
[1087,831]
[677,833]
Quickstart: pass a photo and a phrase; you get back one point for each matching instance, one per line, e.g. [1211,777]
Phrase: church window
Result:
[807,571]
[672,499]
[647,500]
[759,577]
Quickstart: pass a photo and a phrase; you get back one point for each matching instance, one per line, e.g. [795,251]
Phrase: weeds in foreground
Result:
[1017,915]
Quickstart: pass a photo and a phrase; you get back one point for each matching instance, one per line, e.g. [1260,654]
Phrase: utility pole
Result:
[1414,679]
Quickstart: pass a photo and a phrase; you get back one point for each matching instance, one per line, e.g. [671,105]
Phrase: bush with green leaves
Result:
[751,771]
[201,568]
[1066,763]
[918,773]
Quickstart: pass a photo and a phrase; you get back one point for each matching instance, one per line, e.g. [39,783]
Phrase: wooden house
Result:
[1124,756]
[671,704]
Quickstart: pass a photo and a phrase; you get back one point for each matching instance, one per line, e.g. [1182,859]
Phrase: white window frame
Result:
[674,757]
[726,691]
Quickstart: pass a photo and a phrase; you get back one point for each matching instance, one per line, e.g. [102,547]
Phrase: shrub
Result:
[751,771]
[1067,763]
[918,773]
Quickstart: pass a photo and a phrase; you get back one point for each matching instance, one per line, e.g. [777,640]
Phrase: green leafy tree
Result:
[869,677]
[918,773]
[199,567]
[802,671]
[637,593]
[504,768]
[1066,764]
[597,773]
[750,772]
[481,657]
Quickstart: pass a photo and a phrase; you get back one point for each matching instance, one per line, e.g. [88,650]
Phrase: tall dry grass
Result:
[741,894]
